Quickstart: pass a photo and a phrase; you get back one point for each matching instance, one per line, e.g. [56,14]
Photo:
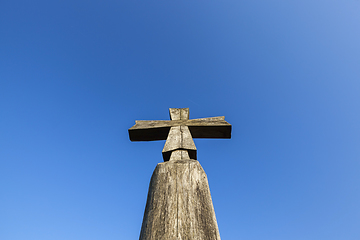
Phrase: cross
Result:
[179,132]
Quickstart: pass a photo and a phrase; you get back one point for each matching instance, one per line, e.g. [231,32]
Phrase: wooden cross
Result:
[179,132]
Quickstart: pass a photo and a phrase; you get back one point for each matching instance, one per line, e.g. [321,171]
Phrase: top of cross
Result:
[179,132]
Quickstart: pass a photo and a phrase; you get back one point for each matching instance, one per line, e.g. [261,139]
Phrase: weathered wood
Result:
[179,155]
[179,113]
[211,121]
[179,204]
[179,138]
[214,127]
[180,131]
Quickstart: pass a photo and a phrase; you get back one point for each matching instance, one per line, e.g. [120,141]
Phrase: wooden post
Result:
[179,204]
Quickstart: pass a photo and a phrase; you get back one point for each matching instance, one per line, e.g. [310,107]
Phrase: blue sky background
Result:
[75,75]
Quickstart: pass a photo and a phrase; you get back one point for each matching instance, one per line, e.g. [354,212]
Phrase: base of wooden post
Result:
[179,204]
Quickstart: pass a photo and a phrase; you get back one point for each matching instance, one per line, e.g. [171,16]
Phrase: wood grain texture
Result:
[179,204]
[214,127]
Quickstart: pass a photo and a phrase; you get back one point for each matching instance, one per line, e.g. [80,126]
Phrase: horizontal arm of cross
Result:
[214,127]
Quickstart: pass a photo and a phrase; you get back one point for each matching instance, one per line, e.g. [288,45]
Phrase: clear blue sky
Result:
[75,75]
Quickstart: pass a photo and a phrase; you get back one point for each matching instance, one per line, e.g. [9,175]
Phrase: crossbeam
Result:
[179,131]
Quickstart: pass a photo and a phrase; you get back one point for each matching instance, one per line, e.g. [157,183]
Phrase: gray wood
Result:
[179,113]
[180,131]
[179,155]
[179,204]
[179,138]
